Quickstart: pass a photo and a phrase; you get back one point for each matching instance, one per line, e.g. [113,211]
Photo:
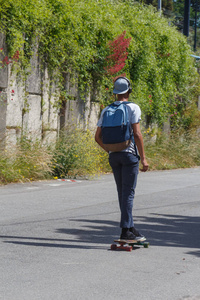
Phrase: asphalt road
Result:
[55,240]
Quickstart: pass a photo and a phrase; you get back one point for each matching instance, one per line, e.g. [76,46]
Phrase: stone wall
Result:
[29,106]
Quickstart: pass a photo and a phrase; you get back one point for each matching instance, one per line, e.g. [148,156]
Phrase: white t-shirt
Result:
[134,114]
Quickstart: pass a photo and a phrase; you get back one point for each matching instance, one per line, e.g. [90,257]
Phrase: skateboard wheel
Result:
[129,248]
[146,245]
[113,247]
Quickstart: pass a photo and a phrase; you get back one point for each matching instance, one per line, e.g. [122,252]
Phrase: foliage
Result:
[167,5]
[161,69]
[76,37]
[26,161]
[179,150]
[116,61]
[76,154]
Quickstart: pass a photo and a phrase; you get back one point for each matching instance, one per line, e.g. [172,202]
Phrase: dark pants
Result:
[125,168]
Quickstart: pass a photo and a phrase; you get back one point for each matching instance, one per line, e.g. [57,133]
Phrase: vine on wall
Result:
[86,37]
[116,61]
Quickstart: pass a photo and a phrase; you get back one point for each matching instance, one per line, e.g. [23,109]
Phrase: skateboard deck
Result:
[128,245]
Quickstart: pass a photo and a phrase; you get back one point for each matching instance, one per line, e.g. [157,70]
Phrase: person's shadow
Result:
[160,230]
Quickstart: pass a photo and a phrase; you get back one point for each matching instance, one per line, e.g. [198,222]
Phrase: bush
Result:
[26,161]
[75,36]
[77,155]
[179,150]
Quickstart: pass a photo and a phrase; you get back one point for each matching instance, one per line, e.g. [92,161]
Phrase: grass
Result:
[173,151]
[77,155]
[26,161]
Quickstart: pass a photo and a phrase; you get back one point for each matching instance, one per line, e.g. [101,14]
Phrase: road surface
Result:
[55,239]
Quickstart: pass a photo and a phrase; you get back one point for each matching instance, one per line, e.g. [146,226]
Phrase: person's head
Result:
[122,86]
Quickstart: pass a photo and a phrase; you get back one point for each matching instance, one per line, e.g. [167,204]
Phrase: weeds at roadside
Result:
[26,161]
[76,155]
[173,151]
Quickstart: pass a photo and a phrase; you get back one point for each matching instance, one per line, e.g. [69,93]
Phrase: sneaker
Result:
[128,235]
[138,235]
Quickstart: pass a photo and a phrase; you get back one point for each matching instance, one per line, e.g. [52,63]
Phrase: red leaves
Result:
[16,56]
[7,61]
[118,56]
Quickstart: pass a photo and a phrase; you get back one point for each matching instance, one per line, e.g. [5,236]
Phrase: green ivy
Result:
[74,36]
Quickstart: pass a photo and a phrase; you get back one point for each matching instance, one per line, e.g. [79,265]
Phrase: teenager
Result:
[125,164]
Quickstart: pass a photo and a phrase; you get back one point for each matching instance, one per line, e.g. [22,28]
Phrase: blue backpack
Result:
[116,128]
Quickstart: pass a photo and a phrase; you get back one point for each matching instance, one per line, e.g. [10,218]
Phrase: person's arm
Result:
[98,138]
[140,146]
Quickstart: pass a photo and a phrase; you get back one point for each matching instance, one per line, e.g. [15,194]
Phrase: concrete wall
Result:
[29,106]
[3,89]
[79,111]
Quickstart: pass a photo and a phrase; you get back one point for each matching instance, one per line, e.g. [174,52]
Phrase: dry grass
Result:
[26,161]
[174,151]
[76,154]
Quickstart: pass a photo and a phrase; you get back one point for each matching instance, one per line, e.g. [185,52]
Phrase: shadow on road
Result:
[160,230]
[173,231]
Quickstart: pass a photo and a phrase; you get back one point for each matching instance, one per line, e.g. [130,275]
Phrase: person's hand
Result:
[145,165]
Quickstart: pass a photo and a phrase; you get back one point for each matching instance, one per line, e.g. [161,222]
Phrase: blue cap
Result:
[121,86]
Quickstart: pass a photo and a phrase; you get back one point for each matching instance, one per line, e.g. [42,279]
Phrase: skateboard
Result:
[128,245]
